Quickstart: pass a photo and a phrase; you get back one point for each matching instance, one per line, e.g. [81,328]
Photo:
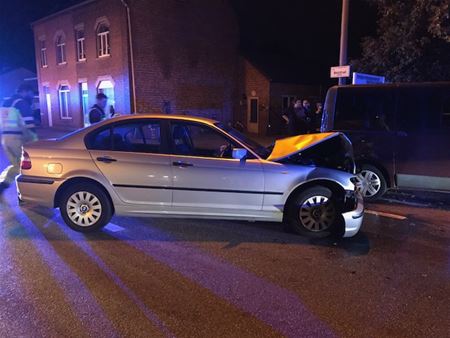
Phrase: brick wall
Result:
[186,57]
[94,69]
[255,85]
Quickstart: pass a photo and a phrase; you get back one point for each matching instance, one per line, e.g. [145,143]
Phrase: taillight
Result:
[25,161]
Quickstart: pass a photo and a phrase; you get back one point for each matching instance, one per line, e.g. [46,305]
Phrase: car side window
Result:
[101,140]
[197,140]
[140,137]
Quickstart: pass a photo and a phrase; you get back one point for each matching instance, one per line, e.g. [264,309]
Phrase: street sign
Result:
[340,71]
[360,78]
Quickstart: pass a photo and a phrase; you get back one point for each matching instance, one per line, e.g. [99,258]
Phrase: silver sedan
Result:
[180,166]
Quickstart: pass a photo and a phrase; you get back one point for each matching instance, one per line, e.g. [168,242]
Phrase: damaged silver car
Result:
[181,166]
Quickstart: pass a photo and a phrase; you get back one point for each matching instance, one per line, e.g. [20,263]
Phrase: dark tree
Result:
[412,41]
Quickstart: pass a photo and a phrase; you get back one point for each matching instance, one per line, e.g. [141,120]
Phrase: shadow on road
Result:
[232,233]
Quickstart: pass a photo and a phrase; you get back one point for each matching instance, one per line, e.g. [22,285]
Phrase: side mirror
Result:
[239,153]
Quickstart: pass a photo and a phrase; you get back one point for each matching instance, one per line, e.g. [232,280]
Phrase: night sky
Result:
[289,38]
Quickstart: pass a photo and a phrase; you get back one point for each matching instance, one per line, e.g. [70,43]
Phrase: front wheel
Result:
[314,212]
[85,207]
[371,182]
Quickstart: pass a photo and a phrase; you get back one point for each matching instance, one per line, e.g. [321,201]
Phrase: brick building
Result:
[147,56]
[265,93]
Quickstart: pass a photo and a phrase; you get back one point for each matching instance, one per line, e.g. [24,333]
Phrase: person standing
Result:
[23,101]
[290,118]
[17,128]
[301,122]
[97,112]
[316,119]
[308,116]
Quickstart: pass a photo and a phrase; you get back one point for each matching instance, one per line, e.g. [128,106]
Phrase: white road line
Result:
[114,227]
[385,214]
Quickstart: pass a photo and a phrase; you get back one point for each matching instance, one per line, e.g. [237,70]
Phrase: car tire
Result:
[314,213]
[85,207]
[371,182]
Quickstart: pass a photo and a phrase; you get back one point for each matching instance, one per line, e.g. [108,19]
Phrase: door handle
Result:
[182,164]
[106,159]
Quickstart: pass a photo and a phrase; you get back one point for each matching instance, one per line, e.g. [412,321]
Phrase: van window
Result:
[364,109]
[419,109]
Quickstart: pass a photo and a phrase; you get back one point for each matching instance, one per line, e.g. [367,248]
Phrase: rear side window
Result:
[101,140]
[364,109]
[140,137]
[419,109]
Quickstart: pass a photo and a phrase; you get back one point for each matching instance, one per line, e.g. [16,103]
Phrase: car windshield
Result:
[260,150]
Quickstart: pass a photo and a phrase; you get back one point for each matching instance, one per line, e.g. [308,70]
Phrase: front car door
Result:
[206,179]
[133,156]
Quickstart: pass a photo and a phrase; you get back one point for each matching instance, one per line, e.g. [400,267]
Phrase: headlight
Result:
[354,180]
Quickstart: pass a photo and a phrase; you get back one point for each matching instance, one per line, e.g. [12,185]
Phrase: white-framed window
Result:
[84,101]
[287,101]
[48,103]
[61,50]
[80,42]
[44,62]
[103,40]
[64,96]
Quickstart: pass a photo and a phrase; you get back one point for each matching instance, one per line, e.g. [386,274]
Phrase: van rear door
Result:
[422,156]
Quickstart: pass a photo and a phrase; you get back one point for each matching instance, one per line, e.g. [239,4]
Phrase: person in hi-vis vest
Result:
[17,127]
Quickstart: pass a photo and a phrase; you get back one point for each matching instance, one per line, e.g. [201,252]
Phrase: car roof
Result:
[188,118]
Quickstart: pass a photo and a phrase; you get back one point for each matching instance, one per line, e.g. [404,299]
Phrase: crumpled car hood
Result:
[289,146]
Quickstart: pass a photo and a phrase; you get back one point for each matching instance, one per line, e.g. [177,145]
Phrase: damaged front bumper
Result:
[353,219]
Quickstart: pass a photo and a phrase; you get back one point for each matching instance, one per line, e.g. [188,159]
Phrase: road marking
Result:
[385,214]
[114,228]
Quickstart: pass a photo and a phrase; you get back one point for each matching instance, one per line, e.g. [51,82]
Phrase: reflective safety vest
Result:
[11,121]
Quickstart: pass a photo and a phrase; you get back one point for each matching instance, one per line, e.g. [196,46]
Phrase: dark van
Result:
[400,134]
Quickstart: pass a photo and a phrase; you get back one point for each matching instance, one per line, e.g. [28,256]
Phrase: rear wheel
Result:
[85,207]
[314,212]
[371,182]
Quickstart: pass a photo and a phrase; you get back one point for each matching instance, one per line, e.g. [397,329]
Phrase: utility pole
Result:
[344,37]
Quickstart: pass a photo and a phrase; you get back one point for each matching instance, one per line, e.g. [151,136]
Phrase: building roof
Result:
[68,9]
[281,69]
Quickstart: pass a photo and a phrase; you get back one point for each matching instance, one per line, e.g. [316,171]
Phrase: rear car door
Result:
[133,156]
[206,177]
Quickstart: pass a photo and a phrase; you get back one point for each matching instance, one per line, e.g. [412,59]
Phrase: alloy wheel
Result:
[84,209]
[317,213]
[368,183]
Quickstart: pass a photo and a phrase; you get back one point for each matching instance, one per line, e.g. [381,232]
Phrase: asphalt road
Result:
[197,278]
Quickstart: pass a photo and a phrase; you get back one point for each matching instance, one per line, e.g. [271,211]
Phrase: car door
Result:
[206,179]
[422,157]
[133,156]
